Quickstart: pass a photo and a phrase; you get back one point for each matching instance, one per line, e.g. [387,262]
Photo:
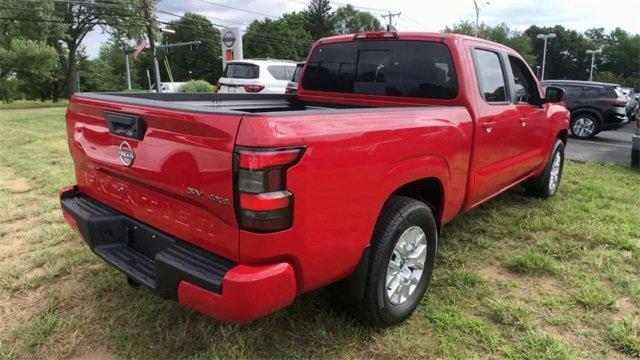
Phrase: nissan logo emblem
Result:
[228,39]
[126,153]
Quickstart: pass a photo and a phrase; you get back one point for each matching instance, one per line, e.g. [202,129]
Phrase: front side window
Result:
[490,76]
[525,86]
[418,69]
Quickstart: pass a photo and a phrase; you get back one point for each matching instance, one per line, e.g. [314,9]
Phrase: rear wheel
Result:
[403,252]
[584,126]
[546,185]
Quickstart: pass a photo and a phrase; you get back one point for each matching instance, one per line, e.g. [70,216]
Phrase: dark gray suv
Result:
[594,106]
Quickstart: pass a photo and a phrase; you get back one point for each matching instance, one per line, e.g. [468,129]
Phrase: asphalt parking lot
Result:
[612,147]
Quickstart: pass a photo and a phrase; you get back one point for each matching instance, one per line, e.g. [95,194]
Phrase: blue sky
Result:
[419,15]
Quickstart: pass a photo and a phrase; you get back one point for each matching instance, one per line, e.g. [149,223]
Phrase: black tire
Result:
[541,186]
[584,132]
[399,214]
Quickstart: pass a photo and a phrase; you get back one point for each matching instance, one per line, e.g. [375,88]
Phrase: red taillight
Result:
[253,88]
[265,204]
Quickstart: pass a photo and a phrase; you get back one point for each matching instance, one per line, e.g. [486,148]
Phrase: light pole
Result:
[593,57]
[478,8]
[544,51]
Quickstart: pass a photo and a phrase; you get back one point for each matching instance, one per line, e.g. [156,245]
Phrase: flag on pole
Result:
[142,44]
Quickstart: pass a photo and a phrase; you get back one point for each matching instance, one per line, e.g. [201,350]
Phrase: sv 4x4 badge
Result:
[213,197]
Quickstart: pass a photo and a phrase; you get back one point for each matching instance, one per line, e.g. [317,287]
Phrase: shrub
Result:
[198,86]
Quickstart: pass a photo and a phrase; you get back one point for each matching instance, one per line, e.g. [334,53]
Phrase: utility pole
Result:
[152,45]
[593,57]
[391,16]
[126,63]
[478,9]
[544,51]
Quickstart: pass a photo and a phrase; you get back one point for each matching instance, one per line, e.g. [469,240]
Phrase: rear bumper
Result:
[175,269]
[615,122]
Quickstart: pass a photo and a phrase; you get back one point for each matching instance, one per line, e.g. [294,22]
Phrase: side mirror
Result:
[553,94]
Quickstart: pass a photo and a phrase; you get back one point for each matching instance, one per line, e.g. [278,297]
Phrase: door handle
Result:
[523,121]
[488,126]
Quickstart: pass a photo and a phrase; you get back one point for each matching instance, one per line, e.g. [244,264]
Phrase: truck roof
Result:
[408,35]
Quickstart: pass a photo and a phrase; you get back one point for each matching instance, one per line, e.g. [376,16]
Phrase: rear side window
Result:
[418,69]
[242,71]
[571,92]
[490,76]
[281,72]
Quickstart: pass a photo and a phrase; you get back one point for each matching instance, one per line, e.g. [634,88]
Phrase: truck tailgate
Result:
[180,176]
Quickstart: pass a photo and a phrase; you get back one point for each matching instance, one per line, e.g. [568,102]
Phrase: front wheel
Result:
[546,185]
[403,252]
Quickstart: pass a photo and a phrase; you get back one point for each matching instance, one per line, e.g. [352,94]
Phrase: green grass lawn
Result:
[517,278]
[32,104]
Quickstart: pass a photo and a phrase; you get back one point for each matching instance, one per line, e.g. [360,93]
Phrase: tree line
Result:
[42,54]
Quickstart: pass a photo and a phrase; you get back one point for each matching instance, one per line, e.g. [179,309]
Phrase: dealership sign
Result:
[231,41]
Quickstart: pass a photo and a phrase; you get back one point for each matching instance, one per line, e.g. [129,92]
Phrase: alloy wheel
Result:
[584,127]
[406,265]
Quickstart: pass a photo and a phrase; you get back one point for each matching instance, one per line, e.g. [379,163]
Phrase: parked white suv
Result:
[264,76]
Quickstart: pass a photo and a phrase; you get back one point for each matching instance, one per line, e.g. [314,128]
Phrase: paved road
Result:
[612,147]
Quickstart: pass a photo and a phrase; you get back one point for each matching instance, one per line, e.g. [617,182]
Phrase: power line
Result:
[416,22]
[391,15]
[267,37]
[185,12]
[45,21]
[127,16]
[105,5]
[239,9]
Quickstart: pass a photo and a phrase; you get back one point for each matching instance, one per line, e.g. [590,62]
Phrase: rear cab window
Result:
[401,68]
[241,71]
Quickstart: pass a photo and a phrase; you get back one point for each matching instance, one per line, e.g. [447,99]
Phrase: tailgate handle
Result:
[125,125]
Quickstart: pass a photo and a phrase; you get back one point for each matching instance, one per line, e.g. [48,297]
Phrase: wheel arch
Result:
[428,190]
[563,135]
[425,178]
[588,111]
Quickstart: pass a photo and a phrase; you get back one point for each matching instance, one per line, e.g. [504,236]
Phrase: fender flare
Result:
[413,169]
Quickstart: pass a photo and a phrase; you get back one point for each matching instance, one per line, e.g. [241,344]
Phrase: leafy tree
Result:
[607,77]
[500,34]
[284,38]
[348,20]
[195,62]
[107,72]
[31,61]
[66,23]
[566,53]
[318,20]
[621,56]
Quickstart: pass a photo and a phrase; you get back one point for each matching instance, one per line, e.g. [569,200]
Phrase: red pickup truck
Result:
[233,204]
